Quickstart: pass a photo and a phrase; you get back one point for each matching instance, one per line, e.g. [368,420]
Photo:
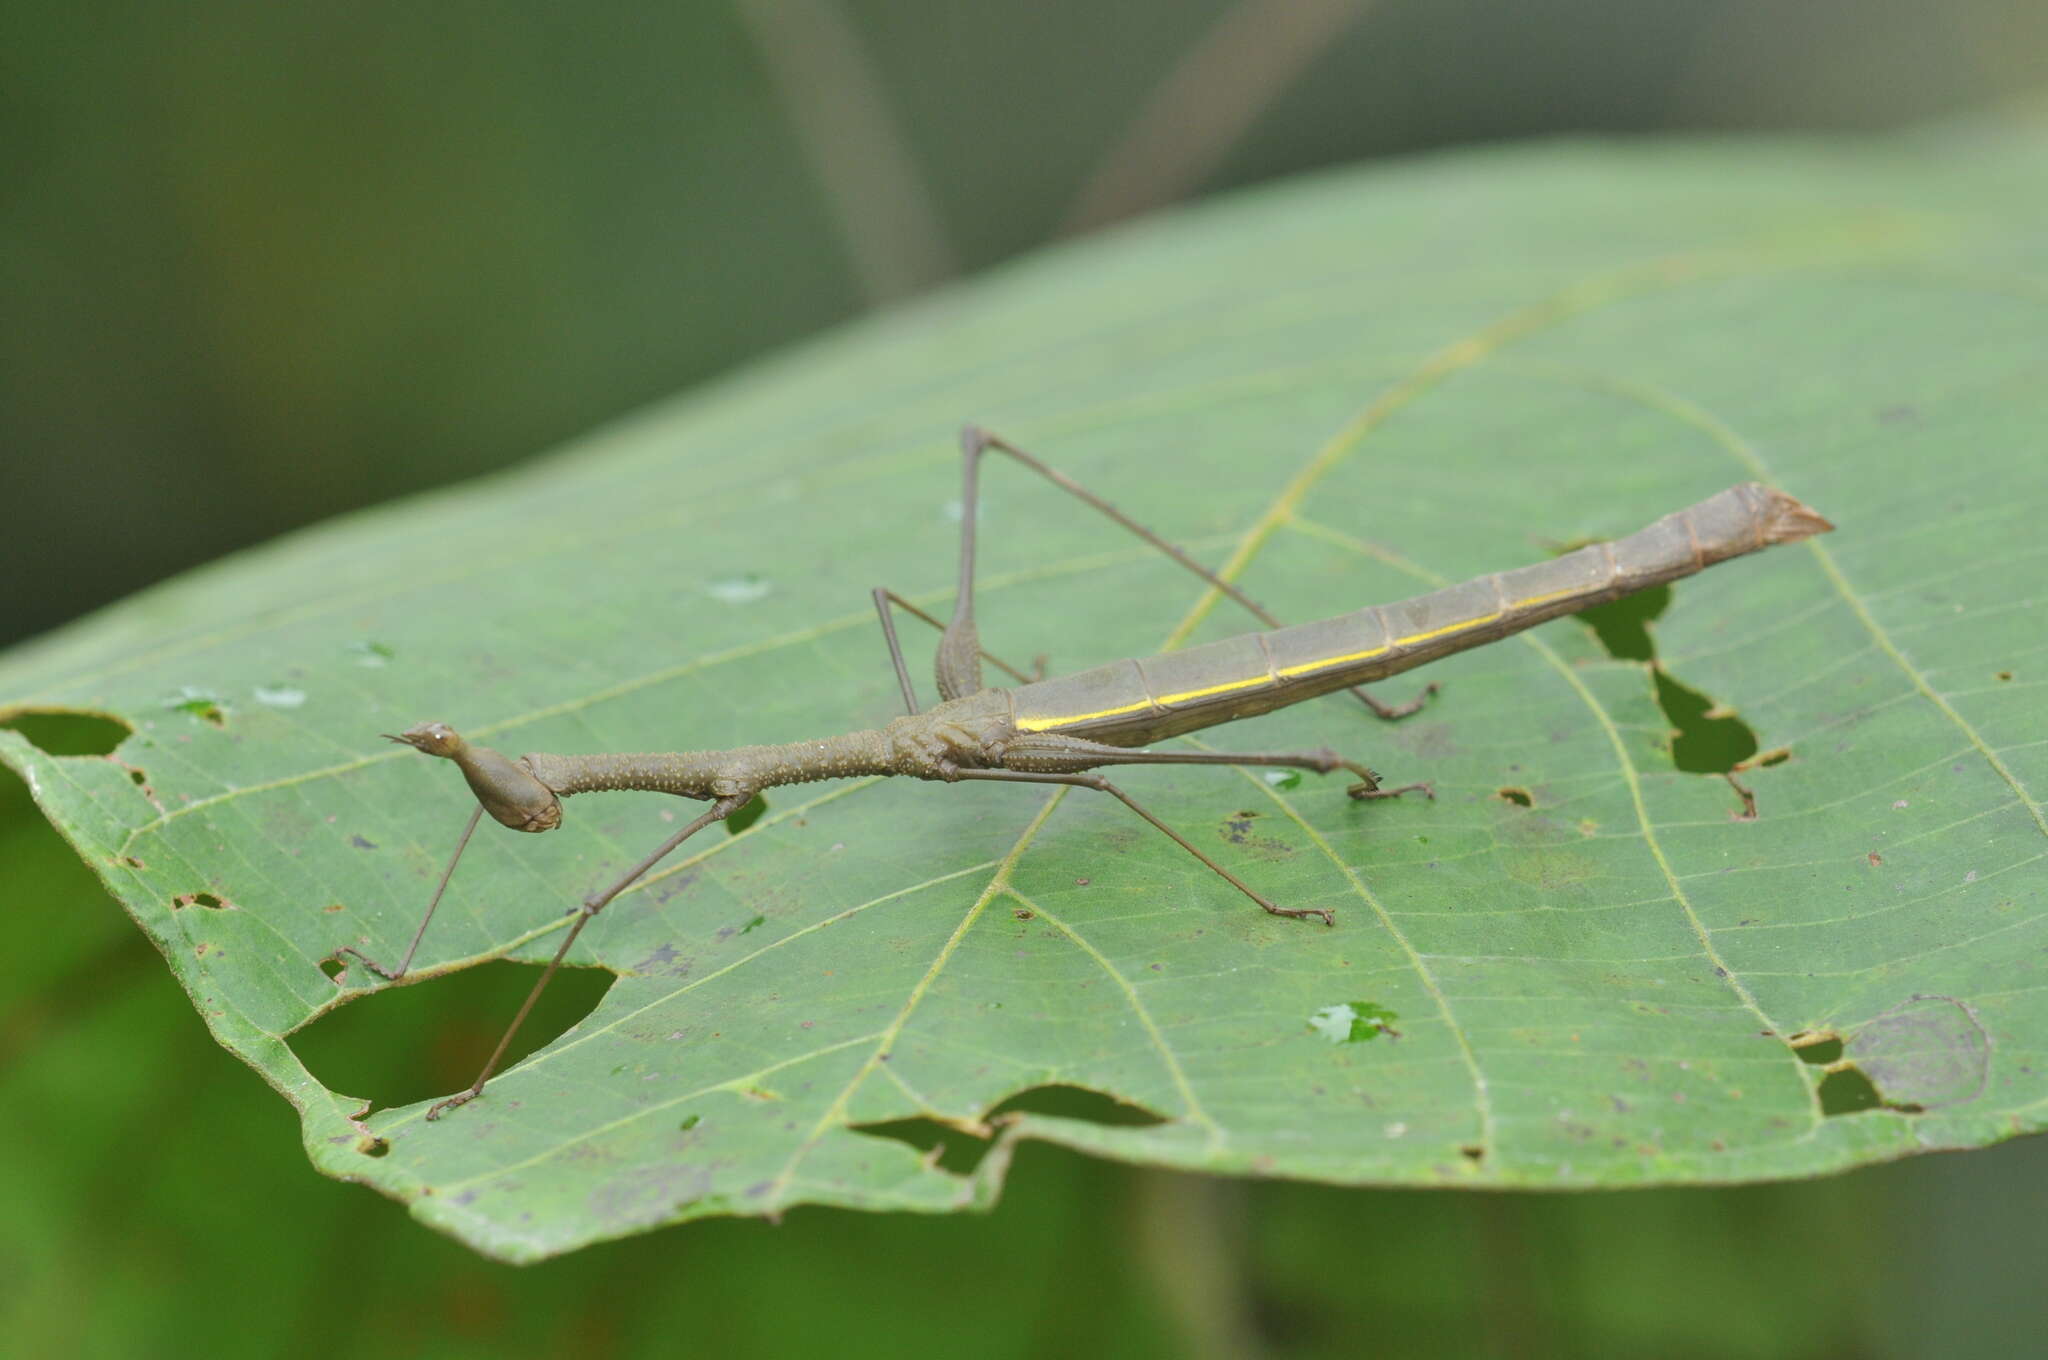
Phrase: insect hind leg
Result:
[1051,753]
[1101,785]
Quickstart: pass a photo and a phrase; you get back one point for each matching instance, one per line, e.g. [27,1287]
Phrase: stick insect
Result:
[1057,731]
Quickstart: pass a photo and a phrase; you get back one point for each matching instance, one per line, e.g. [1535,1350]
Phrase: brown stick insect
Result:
[1054,731]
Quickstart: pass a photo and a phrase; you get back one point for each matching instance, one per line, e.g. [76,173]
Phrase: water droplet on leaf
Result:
[744,588]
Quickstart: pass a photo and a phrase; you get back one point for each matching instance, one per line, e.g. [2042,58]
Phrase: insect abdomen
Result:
[1137,701]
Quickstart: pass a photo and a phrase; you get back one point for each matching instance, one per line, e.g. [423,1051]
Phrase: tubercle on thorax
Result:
[963,734]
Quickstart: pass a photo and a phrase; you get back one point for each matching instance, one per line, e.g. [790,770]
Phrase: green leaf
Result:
[1351,388]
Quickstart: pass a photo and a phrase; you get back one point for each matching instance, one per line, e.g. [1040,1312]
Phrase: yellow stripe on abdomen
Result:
[1048,724]
[1324,663]
[1449,628]
[1226,687]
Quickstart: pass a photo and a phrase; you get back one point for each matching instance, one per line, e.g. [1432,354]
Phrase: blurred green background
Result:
[263,263]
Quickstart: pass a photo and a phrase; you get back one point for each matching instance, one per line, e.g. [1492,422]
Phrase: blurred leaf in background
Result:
[261,265]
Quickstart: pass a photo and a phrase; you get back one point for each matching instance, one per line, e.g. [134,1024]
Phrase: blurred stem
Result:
[1188,1240]
[1253,51]
[885,213]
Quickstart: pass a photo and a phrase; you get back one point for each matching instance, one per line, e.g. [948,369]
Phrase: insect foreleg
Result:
[592,905]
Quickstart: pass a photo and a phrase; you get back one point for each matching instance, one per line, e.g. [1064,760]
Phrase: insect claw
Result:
[1373,790]
[388,974]
[1298,913]
[460,1098]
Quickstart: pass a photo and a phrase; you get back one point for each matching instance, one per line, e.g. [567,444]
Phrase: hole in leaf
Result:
[1920,1050]
[959,1152]
[1077,1102]
[746,816]
[1519,797]
[952,1150]
[198,899]
[1473,1152]
[429,1039]
[334,968]
[374,1147]
[1770,758]
[65,732]
[1847,1091]
[1710,740]
[1819,1052]
[1623,625]
[2005,675]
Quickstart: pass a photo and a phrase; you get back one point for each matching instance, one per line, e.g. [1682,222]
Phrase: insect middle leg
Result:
[884,598]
